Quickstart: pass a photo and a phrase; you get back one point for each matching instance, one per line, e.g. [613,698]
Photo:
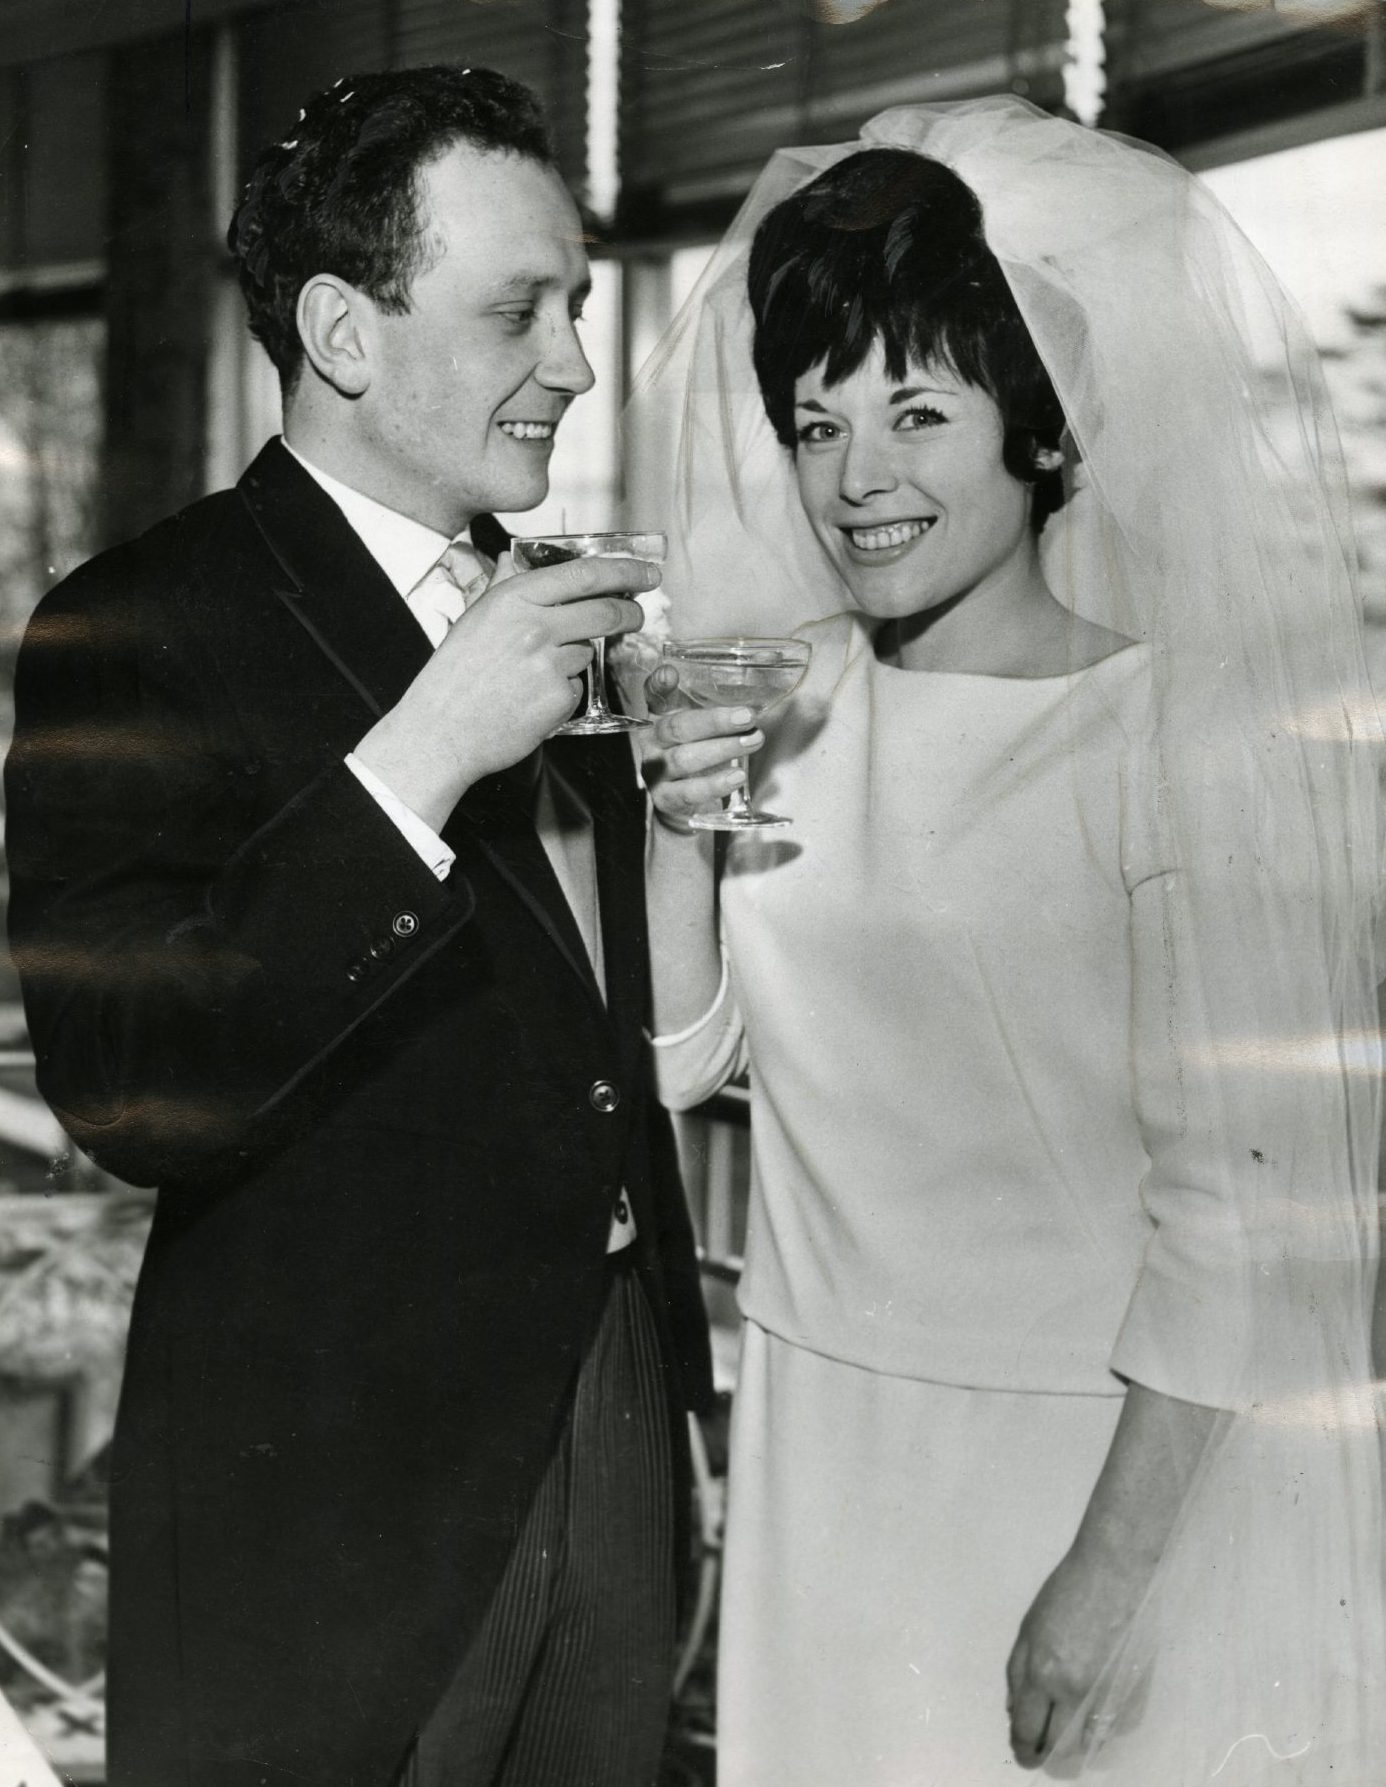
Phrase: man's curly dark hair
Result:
[340,193]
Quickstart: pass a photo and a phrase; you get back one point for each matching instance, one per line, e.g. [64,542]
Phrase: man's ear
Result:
[330,322]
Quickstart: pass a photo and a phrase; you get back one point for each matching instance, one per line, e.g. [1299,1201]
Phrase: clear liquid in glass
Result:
[755,685]
[537,551]
[753,673]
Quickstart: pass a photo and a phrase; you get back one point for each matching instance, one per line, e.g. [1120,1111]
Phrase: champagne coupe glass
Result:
[754,673]
[539,550]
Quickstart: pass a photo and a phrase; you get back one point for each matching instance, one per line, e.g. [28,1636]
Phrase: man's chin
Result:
[516,497]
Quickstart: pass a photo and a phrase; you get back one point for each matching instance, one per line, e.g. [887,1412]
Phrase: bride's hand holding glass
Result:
[692,756]
[735,680]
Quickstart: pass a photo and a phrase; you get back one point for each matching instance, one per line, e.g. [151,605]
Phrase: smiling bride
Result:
[1054,1440]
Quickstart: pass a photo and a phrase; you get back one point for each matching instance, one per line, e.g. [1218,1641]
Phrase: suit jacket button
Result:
[405,924]
[603,1096]
[382,947]
[356,970]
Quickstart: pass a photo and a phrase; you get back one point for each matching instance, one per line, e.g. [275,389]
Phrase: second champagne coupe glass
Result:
[754,673]
[539,550]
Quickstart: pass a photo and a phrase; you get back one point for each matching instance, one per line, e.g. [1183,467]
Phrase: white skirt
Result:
[885,1538]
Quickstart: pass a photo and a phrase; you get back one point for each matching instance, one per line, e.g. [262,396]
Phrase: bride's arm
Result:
[1077,1619]
[1235,1301]
[686,765]
[686,966]
[1182,1346]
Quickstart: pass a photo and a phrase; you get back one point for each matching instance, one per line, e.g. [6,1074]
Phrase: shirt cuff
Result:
[421,838]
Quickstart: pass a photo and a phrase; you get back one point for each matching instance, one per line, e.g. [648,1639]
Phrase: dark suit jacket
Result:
[366,1098]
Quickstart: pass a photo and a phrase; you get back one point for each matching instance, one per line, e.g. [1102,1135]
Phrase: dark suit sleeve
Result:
[189,952]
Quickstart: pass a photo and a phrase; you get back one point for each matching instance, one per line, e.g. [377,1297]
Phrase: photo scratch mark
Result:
[1250,1738]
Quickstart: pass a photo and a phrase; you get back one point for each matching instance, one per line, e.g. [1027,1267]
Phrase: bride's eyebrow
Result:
[905,394]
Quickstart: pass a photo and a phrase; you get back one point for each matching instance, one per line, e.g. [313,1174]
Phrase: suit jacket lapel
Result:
[491,817]
[331,584]
[601,771]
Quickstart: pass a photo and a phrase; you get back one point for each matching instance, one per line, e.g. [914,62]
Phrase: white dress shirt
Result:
[410,555]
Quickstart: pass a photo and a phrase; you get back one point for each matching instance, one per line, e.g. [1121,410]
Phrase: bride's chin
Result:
[883,606]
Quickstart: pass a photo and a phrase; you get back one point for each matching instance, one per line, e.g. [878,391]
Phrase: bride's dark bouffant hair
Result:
[887,246]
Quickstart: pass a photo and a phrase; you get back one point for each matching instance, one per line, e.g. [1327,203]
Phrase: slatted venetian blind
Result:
[540,42]
[1181,72]
[286,52]
[710,89]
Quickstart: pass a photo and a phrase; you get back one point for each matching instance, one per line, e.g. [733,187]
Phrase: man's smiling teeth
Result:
[528,431]
[878,539]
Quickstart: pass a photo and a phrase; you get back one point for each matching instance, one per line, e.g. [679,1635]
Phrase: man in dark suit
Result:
[321,939]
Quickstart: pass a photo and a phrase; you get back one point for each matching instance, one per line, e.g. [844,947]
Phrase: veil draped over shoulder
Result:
[1207,517]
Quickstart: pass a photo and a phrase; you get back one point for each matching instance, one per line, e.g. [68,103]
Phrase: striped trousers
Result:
[567,1681]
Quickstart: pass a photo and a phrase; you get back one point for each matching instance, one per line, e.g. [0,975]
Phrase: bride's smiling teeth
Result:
[528,431]
[895,533]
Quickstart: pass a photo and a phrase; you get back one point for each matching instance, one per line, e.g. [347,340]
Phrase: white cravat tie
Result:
[441,597]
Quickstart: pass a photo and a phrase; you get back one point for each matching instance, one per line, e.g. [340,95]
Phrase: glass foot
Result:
[590,726]
[737,821]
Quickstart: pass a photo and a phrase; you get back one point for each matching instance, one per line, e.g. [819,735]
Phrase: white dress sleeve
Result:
[1238,1093]
[692,1064]
[1186,1328]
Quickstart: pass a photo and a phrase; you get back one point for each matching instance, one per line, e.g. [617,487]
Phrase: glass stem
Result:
[737,802]
[597,708]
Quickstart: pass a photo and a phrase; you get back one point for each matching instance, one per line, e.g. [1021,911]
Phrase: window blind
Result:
[709,91]
[1182,72]
[289,52]
[283,54]
[540,42]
